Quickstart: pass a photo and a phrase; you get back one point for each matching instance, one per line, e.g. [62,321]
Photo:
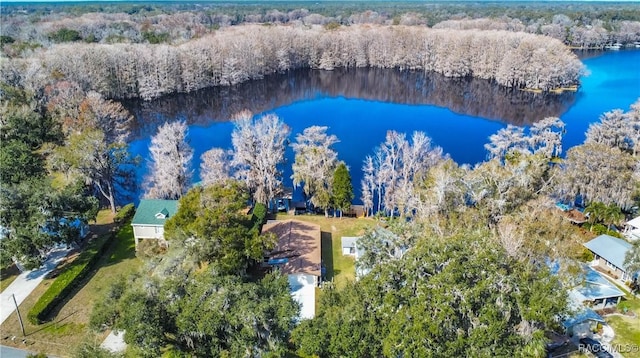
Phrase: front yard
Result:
[627,329]
[69,327]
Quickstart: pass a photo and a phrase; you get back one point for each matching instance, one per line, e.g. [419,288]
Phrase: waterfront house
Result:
[148,222]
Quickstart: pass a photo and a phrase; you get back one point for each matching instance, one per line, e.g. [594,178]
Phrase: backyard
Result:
[340,269]
[626,328]
[69,324]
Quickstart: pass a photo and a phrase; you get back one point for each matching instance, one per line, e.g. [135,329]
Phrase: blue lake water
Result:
[460,121]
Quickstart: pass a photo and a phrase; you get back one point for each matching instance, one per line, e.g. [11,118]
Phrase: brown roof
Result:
[299,242]
[575,216]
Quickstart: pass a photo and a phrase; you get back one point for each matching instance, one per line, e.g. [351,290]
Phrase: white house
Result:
[609,254]
[349,246]
[632,229]
[151,214]
[298,255]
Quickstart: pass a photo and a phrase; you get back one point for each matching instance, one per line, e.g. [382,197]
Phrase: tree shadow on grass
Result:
[327,255]
[121,247]
[51,323]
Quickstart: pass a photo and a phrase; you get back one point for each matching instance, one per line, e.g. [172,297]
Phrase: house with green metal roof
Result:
[151,214]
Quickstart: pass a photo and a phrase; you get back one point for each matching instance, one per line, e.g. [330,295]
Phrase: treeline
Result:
[243,53]
[594,35]
[176,22]
[62,155]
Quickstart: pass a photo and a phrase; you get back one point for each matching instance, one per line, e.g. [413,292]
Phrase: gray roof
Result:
[595,286]
[349,241]
[585,314]
[610,248]
[148,210]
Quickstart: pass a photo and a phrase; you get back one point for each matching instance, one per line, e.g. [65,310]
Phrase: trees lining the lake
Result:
[170,167]
[258,152]
[241,53]
[314,165]
[590,24]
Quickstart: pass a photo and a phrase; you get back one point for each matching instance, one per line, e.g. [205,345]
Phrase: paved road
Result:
[9,352]
[27,282]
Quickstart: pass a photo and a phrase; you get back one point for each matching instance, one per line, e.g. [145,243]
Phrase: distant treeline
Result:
[240,53]
[578,24]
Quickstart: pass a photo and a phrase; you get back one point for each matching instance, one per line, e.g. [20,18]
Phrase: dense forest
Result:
[151,50]
[240,53]
[455,237]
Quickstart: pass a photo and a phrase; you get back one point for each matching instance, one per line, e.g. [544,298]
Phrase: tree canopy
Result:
[458,297]
[211,225]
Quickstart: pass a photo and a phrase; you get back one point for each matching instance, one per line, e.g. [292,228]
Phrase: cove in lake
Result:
[360,105]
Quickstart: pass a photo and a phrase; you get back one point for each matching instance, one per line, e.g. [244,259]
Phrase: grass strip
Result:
[68,279]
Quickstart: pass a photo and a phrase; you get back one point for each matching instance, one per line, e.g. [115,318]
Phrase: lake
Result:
[360,105]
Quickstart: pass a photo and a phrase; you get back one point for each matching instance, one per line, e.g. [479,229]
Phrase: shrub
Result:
[155,38]
[125,213]
[105,311]
[69,279]
[6,40]
[600,229]
[259,215]
[332,26]
[65,35]
[587,255]
[149,248]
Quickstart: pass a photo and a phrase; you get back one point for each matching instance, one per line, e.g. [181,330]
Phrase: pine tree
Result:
[342,188]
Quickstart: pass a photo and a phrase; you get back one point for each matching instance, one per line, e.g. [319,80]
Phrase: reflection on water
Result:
[473,97]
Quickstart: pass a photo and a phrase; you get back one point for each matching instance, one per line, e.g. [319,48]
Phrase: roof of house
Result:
[585,314]
[298,243]
[635,222]
[154,212]
[595,286]
[349,241]
[610,248]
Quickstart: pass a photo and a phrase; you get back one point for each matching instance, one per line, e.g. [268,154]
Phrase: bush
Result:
[332,26]
[65,35]
[259,215]
[155,38]
[6,40]
[69,279]
[586,256]
[600,229]
[125,213]
[149,248]
[105,311]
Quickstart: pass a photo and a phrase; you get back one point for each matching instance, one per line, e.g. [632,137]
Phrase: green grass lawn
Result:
[627,329]
[8,275]
[340,269]
[69,327]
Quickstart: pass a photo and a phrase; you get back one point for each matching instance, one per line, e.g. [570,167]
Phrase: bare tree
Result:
[507,140]
[618,129]
[215,166]
[598,173]
[240,53]
[396,165]
[545,137]
[170,168]
[510,236]
[111,117]
[314,165]
[258,151]
[368,185]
